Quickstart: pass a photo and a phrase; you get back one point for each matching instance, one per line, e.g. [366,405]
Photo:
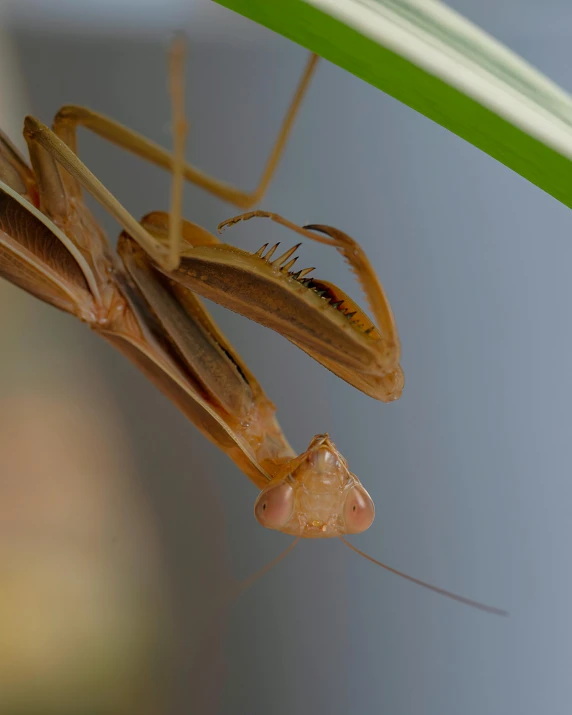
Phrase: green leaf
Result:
[429,57]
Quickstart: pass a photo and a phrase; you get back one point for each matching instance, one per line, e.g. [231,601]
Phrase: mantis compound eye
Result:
[274,506]
[359,511]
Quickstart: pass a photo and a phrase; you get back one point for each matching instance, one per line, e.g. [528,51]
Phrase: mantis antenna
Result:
[441,591]
[247,583]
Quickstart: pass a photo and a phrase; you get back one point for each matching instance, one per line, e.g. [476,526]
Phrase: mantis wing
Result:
[38,257]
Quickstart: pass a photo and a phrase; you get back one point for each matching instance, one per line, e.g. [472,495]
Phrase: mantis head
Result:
[315,495]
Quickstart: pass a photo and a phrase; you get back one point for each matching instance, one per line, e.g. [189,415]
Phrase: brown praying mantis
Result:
[146,305]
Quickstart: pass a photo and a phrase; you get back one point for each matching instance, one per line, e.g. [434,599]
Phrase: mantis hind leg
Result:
[60,189]
[69,117]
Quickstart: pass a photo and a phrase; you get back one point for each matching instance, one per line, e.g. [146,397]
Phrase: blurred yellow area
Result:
[78,594]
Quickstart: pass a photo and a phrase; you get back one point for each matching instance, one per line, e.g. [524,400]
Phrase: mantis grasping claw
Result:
[146,305]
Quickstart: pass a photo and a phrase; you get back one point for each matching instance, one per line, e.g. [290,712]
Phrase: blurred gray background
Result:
[470,470]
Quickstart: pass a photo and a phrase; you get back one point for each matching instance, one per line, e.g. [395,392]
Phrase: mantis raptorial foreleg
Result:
[351,251]
[315,315]
[392,380]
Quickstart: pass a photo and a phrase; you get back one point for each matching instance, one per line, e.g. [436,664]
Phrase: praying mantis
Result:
[145,302]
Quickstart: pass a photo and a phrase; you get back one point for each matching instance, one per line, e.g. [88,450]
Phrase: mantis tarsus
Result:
[146,306]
